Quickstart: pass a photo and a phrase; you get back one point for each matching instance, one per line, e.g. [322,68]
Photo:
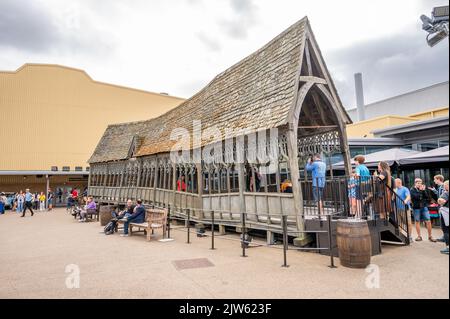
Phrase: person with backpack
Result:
[110,228]
[138,216]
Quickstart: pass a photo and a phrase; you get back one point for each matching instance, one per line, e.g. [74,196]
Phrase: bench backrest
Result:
[156,215]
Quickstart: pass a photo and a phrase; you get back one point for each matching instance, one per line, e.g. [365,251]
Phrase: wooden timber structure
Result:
[284,88]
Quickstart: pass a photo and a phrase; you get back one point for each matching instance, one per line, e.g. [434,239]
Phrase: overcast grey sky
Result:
[178,46]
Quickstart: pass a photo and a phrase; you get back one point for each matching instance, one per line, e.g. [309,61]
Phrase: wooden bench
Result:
[91,213]
[154,219]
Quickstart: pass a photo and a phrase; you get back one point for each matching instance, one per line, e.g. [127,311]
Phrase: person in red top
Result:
[74,195]
[181,185]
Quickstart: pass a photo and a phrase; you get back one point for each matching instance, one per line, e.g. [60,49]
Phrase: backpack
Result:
[110,228]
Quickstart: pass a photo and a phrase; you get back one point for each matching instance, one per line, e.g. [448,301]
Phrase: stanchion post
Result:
[188,226]
[168,221]
[212,230]
[285,241]
[243,243]
[330,241]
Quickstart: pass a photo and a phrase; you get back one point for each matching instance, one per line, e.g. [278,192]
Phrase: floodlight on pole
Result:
[436,26]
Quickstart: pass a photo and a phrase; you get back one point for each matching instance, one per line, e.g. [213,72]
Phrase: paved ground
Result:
[35,252]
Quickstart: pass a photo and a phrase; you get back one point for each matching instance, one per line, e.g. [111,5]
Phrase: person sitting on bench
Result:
[138,216]
[90,205]
[129,209]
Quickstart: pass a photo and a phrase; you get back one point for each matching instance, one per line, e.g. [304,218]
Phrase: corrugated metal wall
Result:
[55,116]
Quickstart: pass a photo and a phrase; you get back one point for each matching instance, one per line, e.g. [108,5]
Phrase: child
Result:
[42,201]
[352,182]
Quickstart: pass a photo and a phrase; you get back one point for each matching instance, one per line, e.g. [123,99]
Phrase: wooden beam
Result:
[295,179]
[308,58]
[323,115]
[314,79]
[294,115]
[342,132]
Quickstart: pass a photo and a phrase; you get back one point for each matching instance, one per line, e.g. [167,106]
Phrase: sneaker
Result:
[441,240]
[81,220]
[124,235]
[444,251]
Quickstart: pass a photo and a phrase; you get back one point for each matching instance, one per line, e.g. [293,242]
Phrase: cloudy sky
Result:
[178,46]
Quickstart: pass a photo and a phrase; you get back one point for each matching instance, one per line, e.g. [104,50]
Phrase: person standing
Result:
[41,201]
[362,175]
[439,182]
[181,184]
[420,199]
[361,170]
[74,196]
[20,201]
[318,171]
[28,204]
[403,202]
[36,201]
[352,183]
[444,212]
[2,203]
[383,193]
[50,200]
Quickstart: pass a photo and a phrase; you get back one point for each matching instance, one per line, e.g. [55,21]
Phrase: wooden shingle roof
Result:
[256,93]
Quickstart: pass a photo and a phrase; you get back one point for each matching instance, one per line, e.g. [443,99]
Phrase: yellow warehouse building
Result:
[52,118]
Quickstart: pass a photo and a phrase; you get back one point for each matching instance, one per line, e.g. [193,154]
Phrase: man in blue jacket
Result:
[319,170]
[138,216]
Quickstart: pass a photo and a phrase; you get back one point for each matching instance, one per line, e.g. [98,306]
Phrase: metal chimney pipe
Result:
[360,97]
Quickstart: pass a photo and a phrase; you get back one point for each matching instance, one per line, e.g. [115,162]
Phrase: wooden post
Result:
[345,149]
[198,167]
[240,167]
[295,178]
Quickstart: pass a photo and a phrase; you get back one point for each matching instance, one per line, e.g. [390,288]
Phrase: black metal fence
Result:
[368,198]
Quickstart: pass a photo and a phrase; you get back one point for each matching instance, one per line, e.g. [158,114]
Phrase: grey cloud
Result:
[26,26]
[390,66]
[242,6]
[209,42]
[244,17]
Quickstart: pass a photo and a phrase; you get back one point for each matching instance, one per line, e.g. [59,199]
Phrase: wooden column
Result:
[242,184]
[295,179]
[155,181]
[198,167]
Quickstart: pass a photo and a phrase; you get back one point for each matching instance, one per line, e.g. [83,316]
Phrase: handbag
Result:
[444,213]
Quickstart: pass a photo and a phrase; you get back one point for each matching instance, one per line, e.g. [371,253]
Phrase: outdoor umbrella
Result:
[391,156]
[433,156]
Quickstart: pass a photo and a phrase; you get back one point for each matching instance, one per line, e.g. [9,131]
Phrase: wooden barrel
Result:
[105,214]
[354,243]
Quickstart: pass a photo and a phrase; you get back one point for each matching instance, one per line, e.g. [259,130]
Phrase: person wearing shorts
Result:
[318,171]
[420,199]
